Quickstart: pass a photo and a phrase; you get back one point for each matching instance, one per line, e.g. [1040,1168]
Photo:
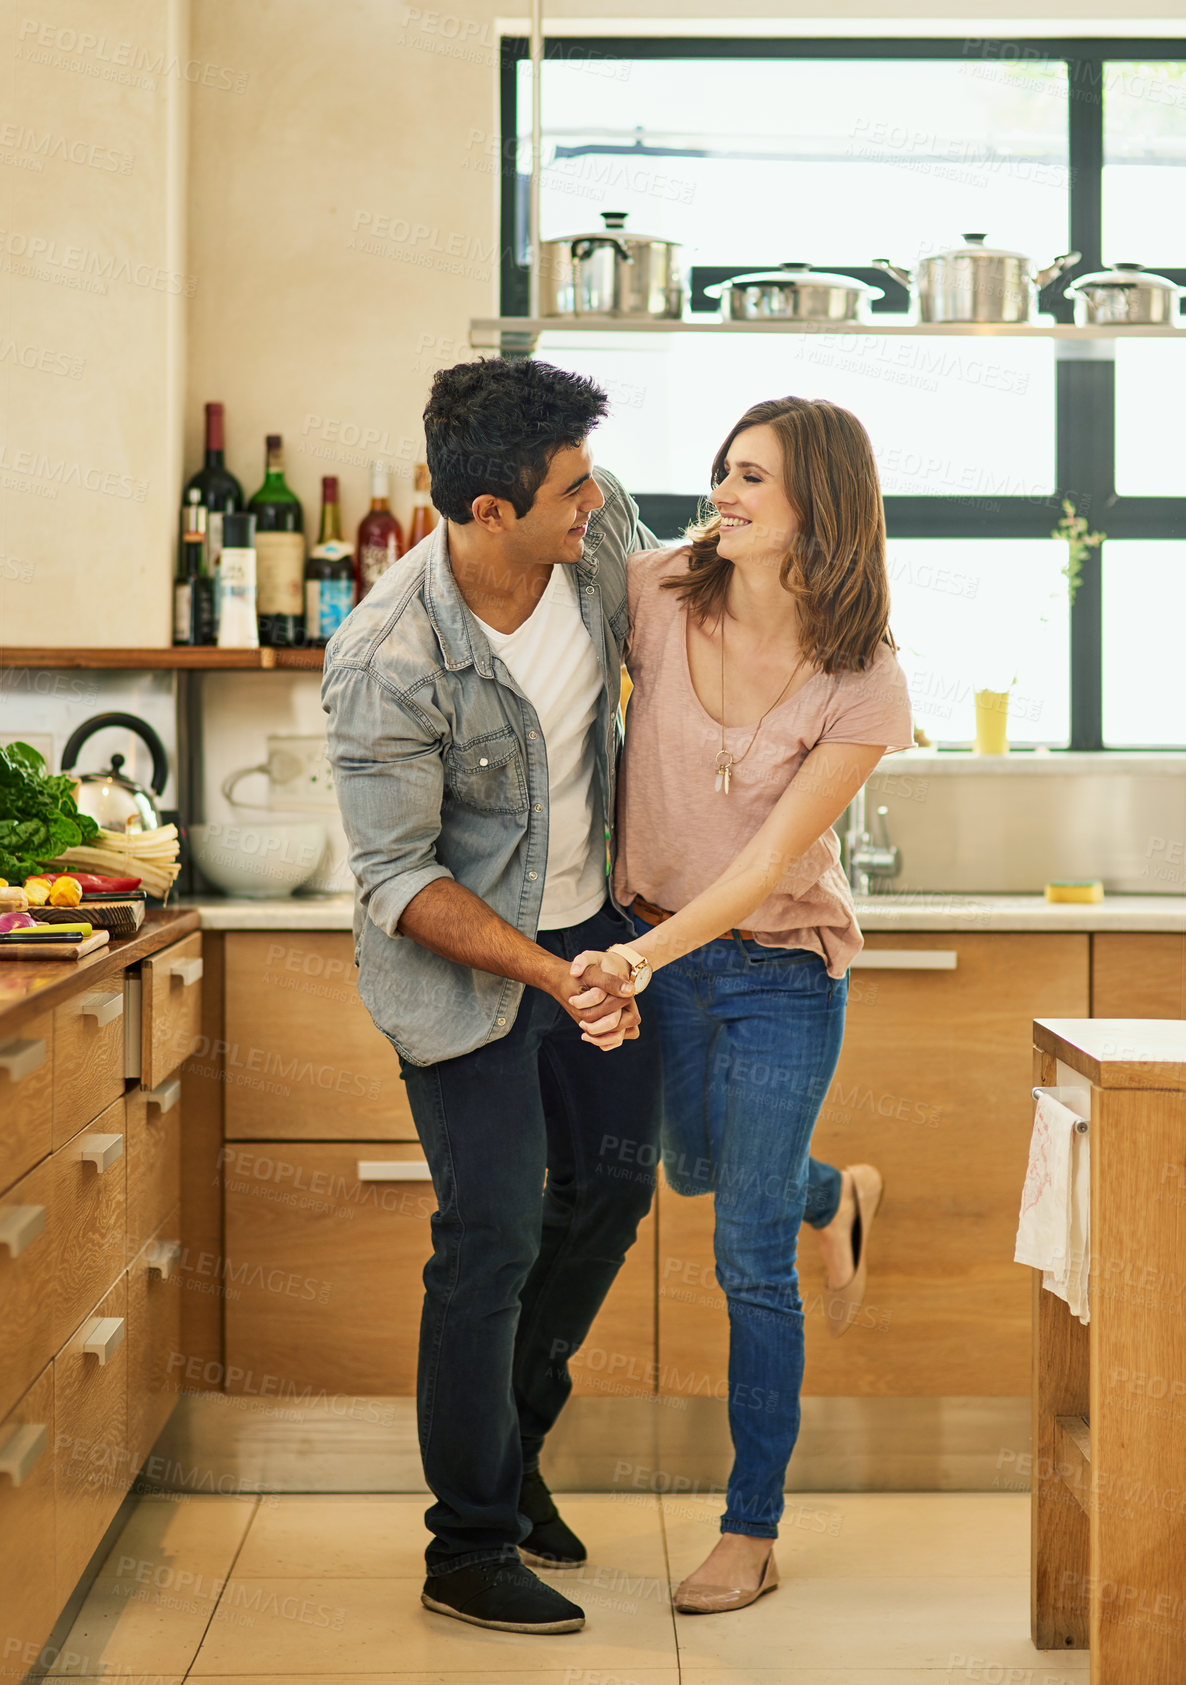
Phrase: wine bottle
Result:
[380,536]
[279,553]
[219,493]
[193,588]
[424,516]
[238,624]
[329,572]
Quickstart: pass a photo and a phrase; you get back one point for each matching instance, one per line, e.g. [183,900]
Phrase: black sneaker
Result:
[504,1595]
[550,1544]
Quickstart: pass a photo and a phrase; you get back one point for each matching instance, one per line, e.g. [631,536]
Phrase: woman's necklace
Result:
[725,762]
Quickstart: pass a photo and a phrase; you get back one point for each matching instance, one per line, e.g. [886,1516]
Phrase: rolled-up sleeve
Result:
[389,773]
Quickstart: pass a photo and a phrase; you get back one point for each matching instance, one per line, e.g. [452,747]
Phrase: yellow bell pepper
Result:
[65,892]
[37,889]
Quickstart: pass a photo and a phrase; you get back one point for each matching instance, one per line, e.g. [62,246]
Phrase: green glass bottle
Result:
[279,554]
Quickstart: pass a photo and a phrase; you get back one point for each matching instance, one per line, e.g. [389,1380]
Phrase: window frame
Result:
[1085,387]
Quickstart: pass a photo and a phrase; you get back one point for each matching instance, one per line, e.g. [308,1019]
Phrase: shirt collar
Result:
[462,640]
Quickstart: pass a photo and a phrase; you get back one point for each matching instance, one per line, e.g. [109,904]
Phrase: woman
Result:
[766,690]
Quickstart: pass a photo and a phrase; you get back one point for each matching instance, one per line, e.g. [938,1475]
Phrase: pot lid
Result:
[974,247]
[615,229]
[794,275]
[1125,275]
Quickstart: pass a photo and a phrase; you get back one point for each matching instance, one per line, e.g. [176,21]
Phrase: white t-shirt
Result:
[551,659]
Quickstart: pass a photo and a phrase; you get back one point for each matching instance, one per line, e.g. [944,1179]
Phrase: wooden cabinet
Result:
[154,1356]
[325,1244]
[28,1272]
[28,1595]
[91,1441]
[89,1216]
[1138,976]
[88,1056]
[171,1008]
[26,1097]
[303,1059]
[154,1158]
[89,1176]
[932,1087]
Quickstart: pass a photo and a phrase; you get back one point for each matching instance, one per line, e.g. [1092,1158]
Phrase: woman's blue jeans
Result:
[749,1038]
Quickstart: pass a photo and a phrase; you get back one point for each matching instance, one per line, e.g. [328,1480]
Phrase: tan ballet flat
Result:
[842,1303]
[711,1600]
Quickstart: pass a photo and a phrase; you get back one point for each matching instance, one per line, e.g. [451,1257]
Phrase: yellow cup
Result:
[992,709]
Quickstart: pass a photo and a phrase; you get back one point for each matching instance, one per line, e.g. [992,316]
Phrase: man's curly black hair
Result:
[495,425]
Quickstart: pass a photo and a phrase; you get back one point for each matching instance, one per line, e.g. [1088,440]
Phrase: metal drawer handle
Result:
[189,971]
[165,1095]
[21,1451]
[393,1170]
[19,1227]
[104,1009]
[907,959]
[21,1058]
[101,1150]
[103,1337]
[164,1257]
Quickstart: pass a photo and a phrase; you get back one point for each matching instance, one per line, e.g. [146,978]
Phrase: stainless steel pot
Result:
[1125,293]
[976,283]
[613,272]
[794,292]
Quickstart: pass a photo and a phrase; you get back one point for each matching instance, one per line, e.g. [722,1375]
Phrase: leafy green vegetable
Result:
[38,815]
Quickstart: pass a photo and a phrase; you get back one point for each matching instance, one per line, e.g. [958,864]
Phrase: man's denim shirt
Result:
[442,771]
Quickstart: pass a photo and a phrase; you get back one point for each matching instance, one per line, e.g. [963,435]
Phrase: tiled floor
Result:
[877,1589]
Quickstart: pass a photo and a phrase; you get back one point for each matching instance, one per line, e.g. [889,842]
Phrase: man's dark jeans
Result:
[519,1269]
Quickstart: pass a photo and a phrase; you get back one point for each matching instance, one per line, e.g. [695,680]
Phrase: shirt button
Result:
[531,876]
[588,590]
[537,807]
[500,1022]
[483,761]
[532,735]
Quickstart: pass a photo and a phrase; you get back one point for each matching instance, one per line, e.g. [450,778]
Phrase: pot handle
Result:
[589,242]
[139,728]
[898,273]
[1067,261]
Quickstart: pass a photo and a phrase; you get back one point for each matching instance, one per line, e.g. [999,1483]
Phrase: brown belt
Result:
[651,914]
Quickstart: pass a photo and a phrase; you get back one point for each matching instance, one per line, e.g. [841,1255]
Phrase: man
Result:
[474,729]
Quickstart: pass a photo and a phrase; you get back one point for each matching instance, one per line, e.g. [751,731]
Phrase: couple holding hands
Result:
[589,956]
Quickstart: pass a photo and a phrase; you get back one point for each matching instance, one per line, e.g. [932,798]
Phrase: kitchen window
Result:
[750,153]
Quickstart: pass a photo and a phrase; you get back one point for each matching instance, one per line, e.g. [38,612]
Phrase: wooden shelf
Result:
[204,659]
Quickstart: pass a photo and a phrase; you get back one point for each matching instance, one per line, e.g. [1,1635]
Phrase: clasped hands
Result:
[603,977]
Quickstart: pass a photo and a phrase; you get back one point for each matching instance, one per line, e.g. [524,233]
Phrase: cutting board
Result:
[54,950]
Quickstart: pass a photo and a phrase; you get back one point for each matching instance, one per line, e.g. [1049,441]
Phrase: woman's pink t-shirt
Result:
[676,834]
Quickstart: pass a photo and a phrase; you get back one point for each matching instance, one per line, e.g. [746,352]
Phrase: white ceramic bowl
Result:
[260,859]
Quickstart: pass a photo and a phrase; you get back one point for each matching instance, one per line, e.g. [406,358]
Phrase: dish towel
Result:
[1054,1229]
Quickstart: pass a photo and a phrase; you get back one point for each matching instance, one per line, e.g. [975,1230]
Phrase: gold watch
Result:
[640,966]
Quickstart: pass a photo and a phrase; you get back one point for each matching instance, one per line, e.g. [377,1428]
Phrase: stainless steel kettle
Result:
[113,800]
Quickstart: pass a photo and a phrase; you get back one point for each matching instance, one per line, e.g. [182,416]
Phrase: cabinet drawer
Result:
[154,1330]
[89,1214]
[154,1158]
[304,1059]
[28,1269]
[90,1445]
[26,1098]
[28,1597]
[88,1056]
[171,1008]
[323,1267]
[1138,976]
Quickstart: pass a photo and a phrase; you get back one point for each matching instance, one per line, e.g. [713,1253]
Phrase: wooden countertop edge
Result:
[1122,1071]
[44,984]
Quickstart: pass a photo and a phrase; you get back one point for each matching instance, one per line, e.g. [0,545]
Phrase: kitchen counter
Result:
[28,987]
[905,911]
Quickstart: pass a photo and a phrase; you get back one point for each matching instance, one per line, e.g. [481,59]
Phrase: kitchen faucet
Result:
[869,858]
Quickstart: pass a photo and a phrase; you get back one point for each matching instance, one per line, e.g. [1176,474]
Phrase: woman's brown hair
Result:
[835,568]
